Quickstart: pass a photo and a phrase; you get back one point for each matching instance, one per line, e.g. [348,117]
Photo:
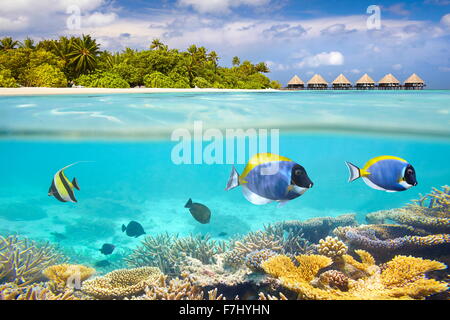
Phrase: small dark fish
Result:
[58,236]
[222,234]
[102,264]
[200,212]
[107,248]
[134,229]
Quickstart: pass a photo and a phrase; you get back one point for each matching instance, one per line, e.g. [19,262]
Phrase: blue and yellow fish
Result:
[61,187]
[269,177]
[386,173]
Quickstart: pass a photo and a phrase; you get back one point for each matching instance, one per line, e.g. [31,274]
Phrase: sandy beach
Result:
[33,91]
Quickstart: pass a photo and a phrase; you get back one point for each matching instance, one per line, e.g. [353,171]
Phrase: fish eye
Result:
[298,172]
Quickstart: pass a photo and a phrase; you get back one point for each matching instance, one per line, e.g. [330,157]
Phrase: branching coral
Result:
[67,275]
[22,260]
[254,259]
[401,278]
[168,252]
[121,283]
[11,291]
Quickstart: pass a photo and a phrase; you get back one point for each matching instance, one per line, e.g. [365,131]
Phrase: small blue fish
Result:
[386,173]
[269,177]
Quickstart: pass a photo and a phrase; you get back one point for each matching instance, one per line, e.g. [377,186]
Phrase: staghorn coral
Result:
[262,296]
[402,278]
[255,258]
[22,260]
[67,275]
[332,247]
[10,291]
[168,252]
[121,283]
[318,228]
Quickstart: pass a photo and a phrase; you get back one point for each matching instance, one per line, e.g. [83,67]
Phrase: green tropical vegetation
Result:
[80,61]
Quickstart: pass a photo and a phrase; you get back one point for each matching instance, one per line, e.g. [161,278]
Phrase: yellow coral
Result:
[403,278]
[366,265]
[121,283]
[63,275]
[403,270]
[332,247]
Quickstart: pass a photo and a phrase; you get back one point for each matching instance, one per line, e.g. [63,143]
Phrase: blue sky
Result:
[292,36]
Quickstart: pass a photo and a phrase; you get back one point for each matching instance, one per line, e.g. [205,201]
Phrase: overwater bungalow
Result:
[389,82]
[296,83]
[414,82]
[341,83]
[365,82]
[317,82]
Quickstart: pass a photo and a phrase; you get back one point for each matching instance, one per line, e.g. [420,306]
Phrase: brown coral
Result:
[121,283]
[334,279]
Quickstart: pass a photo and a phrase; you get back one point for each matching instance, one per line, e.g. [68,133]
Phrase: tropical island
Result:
[79,61]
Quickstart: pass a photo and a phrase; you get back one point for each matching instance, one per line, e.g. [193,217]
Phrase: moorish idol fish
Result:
[269,177]
[386,173]
[61,187]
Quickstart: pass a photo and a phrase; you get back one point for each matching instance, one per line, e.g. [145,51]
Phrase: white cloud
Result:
[397,66]
[220,6]
[333,58]
[446,20]
[275,66]
[98,19]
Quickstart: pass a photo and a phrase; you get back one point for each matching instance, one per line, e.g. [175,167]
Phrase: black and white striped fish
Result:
[62,188]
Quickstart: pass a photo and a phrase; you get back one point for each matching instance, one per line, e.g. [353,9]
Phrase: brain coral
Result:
[121,283]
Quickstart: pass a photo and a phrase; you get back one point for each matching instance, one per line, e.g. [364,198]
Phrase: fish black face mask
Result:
[410,175]
[300,178]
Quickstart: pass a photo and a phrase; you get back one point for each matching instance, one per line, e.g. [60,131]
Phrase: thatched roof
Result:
[317,79]
[414,78]
[296,81]
[389,79]
[341,79]
[365,79]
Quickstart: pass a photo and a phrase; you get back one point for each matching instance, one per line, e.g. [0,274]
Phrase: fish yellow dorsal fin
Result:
[371,162]
[261,158]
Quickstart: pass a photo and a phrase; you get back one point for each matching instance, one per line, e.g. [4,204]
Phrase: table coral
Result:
[121,283]
[401,278]
[67,275]
[22,260]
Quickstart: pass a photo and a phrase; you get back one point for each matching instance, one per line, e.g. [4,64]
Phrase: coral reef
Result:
[121,283]
[22,260]
[67,275]
[168,252]
[10,291]
[263,296]
[432,218]
[332,247]
[255,258]
[318,228]
[401,278]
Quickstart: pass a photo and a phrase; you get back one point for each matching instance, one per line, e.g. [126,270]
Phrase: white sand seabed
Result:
[32,91]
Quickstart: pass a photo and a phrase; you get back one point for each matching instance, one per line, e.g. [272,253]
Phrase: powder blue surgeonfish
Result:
[386,173]
[61,187]
[269,177]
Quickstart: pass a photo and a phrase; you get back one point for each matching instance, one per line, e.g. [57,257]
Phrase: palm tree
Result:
[262,67]
[8,43]
[84,53]
[236,61]
[158,45]
[213,57]
[27,44]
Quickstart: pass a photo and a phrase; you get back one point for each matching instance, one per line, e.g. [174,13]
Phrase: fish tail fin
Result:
[124,228]
[354,172]
[75,184]
[233,181]
[188,204]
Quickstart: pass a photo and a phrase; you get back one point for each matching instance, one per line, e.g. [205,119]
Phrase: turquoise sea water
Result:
[132,176]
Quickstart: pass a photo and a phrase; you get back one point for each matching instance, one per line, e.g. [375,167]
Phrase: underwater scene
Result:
[345,195]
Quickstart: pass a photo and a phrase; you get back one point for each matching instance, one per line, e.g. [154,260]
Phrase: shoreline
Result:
[35,91]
